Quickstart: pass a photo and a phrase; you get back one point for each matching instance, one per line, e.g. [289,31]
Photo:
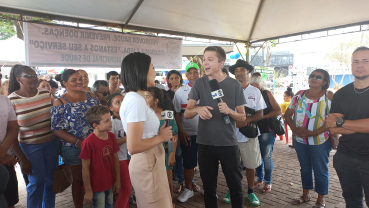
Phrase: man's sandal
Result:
[319,205]
[300,200]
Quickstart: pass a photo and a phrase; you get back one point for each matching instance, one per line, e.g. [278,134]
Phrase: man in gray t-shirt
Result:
[216,140]
[214,131]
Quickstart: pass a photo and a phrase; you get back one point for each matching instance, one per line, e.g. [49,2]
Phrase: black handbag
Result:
[276,123]
[251,129]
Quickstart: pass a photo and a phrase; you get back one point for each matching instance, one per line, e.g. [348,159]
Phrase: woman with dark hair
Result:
[101,89]
[175,81]
[68,122]
[144,142]
[39,145]
[306,116]
[267,134]
[287,97]
[154,98]
[85,80]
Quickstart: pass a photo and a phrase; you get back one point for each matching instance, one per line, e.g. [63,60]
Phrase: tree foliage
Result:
[7,28]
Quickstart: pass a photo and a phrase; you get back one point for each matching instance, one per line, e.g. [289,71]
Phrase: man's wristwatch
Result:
[340,122]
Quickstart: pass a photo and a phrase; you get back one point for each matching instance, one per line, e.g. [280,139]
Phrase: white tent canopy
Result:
[231,20]
[12,52]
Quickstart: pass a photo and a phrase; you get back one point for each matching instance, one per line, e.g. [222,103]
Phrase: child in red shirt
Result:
[100,163]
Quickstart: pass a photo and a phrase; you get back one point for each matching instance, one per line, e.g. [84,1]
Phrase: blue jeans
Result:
[314,158]
[103,199]
[44,160]
[178,167]
[266,142]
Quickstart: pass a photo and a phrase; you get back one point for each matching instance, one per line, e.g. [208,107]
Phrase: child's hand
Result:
[171,159]
[88,197]
[116,187]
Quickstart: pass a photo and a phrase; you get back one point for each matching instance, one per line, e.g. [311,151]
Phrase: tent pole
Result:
[247,46]
[239,51]
[256,19]
[132,14]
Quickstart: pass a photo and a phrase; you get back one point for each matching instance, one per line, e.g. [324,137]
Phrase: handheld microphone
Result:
[167,115]
[218,94]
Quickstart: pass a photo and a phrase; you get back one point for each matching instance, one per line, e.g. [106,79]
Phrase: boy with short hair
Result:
[100,163]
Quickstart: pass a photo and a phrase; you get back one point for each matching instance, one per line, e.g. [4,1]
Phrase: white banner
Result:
[58,46]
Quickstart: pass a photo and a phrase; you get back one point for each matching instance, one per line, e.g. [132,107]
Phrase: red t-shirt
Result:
[101,152]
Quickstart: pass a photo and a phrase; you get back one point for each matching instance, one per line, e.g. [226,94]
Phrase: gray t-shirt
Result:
[215,132]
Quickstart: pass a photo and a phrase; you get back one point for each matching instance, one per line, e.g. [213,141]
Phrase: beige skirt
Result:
[149,178]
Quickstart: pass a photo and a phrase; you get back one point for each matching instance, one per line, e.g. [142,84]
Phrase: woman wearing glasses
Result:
[101,89]
[38,145]
[68,122]
[306,116]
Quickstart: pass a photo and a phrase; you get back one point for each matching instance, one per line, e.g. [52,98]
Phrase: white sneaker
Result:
[185,195]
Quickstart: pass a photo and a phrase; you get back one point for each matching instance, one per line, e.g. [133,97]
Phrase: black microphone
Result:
[218,94]
[167,115]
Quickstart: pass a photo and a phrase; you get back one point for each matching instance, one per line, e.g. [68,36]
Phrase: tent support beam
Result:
[239,52]
[257,52]
[255,19]
[132,14]
[107,24]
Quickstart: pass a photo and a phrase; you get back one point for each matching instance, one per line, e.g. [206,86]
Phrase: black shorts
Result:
[11,193]
[189,153]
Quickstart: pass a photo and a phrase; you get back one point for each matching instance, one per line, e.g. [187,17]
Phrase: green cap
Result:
[192,65]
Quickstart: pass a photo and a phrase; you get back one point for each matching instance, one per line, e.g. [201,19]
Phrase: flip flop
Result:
[195,187]
[320,205]
[267,188]
[298,201]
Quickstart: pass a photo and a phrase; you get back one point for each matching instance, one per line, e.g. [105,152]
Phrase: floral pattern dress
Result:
[71,118]
[310,114]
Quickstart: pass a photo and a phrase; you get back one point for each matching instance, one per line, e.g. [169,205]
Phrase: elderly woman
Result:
[101,89]
[69,124]
[267,137]
[306,116]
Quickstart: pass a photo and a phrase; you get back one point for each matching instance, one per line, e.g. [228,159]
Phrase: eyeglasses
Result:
[29,76]
[104,93]
[317,77]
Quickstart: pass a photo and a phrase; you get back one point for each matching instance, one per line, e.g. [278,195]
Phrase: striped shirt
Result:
[310,114]
[33,115]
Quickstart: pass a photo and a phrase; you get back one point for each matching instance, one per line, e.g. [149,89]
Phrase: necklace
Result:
[367,88]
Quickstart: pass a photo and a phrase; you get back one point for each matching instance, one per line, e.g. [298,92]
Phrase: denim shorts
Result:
[103,199]
[71,155]
[189,153]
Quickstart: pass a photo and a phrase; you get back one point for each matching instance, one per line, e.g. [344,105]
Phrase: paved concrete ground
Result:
[286,185]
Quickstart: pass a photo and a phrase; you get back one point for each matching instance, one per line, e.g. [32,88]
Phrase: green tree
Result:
[340,54]
[7,29]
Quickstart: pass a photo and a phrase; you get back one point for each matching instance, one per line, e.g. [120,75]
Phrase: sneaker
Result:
[227,198]
[185,195]
[253,199]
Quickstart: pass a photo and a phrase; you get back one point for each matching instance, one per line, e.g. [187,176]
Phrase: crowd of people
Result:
[117,143]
